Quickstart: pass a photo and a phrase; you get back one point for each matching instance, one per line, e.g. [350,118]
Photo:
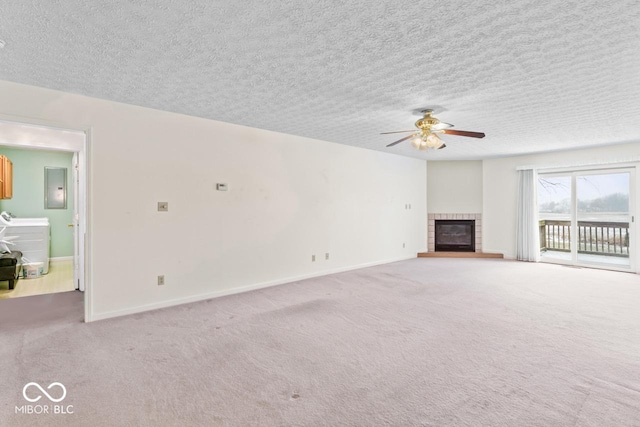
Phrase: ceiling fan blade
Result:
[400,140]
[442,146]
[463,133]
[398,131]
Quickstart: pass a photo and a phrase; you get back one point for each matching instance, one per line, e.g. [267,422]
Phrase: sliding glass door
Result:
[586,218]
[604,217]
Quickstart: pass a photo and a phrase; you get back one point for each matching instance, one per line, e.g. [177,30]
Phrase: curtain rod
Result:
[580,164]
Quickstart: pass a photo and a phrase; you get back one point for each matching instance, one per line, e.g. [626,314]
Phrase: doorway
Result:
[586,218]
[45,140]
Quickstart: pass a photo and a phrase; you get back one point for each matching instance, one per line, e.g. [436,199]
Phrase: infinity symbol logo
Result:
[43,391]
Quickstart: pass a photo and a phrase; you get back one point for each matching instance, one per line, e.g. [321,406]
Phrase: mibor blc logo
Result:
[55,392]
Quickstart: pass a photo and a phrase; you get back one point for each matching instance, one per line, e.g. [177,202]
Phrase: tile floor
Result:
[59,279]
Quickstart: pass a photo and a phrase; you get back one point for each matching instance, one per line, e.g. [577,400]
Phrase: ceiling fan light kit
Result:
[428,127]
[426,141]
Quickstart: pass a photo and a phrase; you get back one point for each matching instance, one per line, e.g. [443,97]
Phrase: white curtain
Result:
[527,233]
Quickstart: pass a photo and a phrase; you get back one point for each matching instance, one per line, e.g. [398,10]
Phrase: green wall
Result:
[28,194]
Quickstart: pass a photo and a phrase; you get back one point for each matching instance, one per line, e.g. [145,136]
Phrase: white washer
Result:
[32,236]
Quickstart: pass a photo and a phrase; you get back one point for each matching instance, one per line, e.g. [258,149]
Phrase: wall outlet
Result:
[221,186]
[313,258]
[163,206]
[160,280]
[326,256]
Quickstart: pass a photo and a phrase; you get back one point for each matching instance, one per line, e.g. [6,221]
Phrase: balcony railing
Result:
[594,237]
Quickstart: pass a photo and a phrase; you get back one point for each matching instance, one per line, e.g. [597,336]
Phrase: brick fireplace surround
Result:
[431,227]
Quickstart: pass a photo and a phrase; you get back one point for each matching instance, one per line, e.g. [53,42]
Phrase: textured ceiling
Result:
[534,76]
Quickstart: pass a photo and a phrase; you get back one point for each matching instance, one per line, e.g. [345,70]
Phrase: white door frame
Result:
[82,246]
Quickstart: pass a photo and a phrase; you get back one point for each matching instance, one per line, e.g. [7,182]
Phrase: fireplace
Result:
[455,235]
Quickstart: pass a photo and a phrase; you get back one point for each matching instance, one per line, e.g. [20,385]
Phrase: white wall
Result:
[454,186]
[289,197]
[500,190]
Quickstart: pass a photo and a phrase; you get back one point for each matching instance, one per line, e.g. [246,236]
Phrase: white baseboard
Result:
[247,288]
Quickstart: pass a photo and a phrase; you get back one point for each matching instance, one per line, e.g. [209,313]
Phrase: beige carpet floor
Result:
[425,342]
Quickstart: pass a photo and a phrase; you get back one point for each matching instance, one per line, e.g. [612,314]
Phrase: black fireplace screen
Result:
[456,235]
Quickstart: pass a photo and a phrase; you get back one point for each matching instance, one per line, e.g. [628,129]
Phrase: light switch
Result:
[163,206]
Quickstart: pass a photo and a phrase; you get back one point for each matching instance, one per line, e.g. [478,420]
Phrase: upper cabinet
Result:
[6,178]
